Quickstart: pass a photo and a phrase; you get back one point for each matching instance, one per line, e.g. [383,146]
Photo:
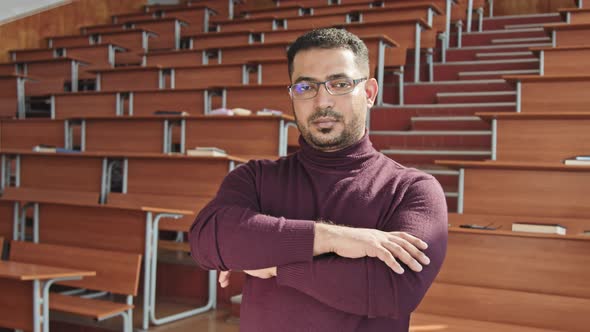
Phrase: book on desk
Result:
[539,228]
[206,152]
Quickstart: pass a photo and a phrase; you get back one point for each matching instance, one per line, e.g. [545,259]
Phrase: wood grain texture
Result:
[548,95]
[18,134]
[515,264]
[104,228]
[567,62]
[182,177]
[85,104]
[124,136]
[146,103]
[257,97]
[560,313]
[206,76]
[573,37]
[248,137]
[6,218]
[116,272]
[55,172]
[29,32]
[550,140]
[541,193]
[146,79]
[511,7]
[17,304]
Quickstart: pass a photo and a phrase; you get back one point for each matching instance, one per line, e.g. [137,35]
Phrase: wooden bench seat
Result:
[541,94]
[245,136]
[543,137]
[226,55]
[145,103]
[105,228]
[132,39]
[51,75]
[116,272]
[96,56]
[192,77]
[92,308]
[167,29]
[564,60]
[196,17]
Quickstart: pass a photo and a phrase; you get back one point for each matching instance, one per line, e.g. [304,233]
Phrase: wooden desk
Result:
[18,280]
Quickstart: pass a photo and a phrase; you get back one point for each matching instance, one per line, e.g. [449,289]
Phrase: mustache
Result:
[328,112]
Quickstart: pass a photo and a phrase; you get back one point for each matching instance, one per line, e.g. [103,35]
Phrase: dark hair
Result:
[330,38]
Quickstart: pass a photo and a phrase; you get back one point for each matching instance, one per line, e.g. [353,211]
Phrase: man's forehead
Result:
[323,64]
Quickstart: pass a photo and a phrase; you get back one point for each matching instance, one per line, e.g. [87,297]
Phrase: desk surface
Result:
[26,271]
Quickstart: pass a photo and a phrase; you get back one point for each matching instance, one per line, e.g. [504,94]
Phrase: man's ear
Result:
[371,89]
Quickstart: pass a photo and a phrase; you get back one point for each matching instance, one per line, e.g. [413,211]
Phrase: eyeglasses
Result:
[335,87]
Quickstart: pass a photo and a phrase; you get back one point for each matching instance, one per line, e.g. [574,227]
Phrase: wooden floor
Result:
[220,321]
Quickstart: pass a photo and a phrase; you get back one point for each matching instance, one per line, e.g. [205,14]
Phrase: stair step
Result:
[485,62]
[451,70]
[479,96]
[524,26]
[520,21]
[504,54]
[469,53]
[496,73]
[486,38]
[448,123]
[399,118]
[425,92]
[493,47]
[521,40]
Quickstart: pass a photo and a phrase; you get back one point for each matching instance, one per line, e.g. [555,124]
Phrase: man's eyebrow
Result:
[305,78]
[310,79]
[339,75]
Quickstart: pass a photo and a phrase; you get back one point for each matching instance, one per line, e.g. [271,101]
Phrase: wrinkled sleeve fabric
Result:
[367,286]
[230,233]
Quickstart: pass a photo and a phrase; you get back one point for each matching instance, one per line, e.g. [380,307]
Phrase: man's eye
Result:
[341,84]
[302,87]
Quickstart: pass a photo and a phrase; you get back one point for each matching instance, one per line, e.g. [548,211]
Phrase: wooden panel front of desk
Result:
[527,192]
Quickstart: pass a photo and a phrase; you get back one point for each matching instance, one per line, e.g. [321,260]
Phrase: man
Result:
[331,237]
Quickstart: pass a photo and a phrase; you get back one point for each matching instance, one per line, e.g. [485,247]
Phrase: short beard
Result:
[347,137]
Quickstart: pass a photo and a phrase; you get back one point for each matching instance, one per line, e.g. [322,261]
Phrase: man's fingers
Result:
[386,256]
[402,255]
[224,278]
[412,239]
[410,247]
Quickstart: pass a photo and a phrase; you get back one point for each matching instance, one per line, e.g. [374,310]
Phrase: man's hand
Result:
[261,273]
[360,242]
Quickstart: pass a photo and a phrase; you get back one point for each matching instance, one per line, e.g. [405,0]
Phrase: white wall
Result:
[14,9]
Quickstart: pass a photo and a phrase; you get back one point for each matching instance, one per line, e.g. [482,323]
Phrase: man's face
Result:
[328,122]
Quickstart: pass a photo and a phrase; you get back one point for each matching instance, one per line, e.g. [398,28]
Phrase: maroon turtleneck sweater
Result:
[264,215]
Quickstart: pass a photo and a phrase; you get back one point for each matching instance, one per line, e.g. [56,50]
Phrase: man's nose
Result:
[323,99]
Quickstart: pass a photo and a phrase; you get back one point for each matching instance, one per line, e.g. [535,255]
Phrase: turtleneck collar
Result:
[350,158]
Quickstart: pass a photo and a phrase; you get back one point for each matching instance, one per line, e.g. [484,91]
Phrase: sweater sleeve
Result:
[230,233]
[367,286]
